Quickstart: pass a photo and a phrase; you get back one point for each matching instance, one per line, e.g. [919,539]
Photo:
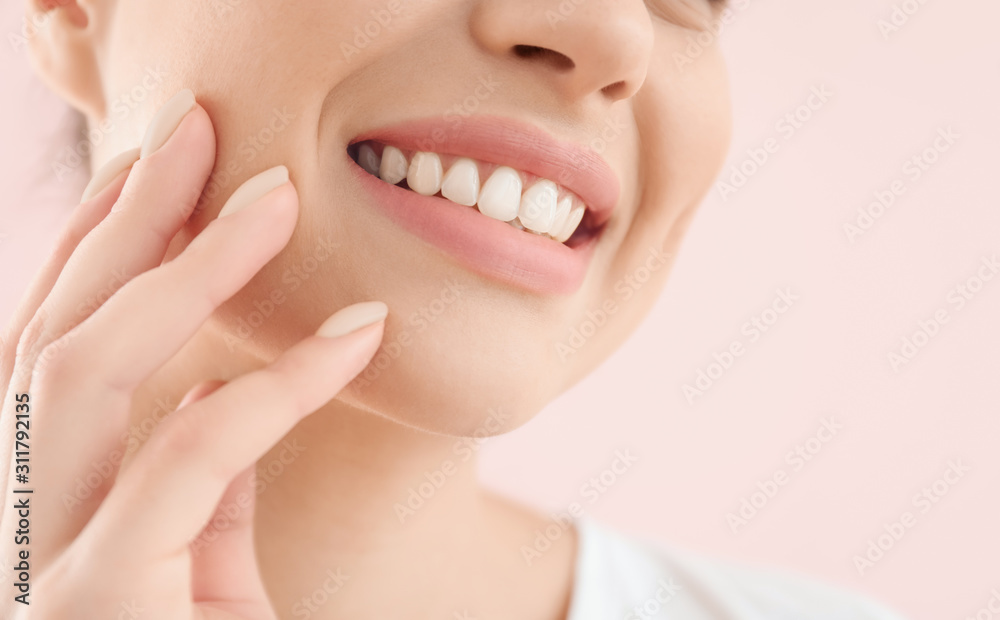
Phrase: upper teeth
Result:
[543,207]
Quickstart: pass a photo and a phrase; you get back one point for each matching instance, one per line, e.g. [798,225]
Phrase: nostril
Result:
[527,51]
[559,61]
[615,90]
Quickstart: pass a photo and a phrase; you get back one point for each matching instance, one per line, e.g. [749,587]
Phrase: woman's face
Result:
[614,104]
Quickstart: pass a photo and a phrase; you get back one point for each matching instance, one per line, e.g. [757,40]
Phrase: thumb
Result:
[223,563]
[224,570]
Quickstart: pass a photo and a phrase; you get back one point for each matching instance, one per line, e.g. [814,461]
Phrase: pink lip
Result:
[489,247]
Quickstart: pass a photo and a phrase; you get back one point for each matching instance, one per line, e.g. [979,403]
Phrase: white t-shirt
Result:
[621,579]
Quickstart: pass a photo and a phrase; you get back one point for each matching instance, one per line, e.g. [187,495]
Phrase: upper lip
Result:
[519,145]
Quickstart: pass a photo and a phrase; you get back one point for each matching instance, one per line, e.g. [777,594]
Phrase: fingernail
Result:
[109,172]
[166,121]
[254,189]
[352,318]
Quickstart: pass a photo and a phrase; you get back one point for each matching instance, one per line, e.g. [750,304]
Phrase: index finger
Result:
[196,452]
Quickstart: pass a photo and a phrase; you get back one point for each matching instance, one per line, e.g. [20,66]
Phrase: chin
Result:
[450,385]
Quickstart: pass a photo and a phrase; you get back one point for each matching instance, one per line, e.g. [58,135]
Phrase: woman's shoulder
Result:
[621,578]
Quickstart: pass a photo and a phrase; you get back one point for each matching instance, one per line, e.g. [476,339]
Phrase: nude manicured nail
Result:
[254,189]
[109,172]
[353,318]
[166,121]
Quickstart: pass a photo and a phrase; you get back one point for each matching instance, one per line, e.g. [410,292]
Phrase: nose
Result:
[585,48]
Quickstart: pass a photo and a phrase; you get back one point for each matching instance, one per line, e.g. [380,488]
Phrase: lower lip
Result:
[488,247]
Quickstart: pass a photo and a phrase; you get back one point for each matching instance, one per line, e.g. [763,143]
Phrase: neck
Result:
[358,516]
[365,496]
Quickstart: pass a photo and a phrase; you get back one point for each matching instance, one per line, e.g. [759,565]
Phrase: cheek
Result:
[683,120]
[683,117]
[453,351]
[684,113]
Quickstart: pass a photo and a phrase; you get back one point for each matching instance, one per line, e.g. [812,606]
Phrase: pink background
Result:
[826,356]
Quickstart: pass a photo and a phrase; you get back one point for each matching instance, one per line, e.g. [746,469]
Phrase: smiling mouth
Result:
[502,197]
[527,202]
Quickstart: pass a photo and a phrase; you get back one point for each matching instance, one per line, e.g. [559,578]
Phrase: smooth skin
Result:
[280,89]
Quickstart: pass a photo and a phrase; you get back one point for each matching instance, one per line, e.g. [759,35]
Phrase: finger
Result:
[160,193]
[100,363]
[223,563]
[81,221]
[200,391]
[175,300]
[222,555]
[191,458]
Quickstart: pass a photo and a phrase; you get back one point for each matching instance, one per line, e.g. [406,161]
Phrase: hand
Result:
[68,372]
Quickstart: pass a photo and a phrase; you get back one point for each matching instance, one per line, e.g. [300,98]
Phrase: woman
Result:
[216,417]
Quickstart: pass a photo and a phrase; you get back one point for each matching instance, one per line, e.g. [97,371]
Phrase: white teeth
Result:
[501,195]
[393,167]
[563,209]
[574,219]
[538,206]
[539,209]
[461,184]
[369,159]
[424,175]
